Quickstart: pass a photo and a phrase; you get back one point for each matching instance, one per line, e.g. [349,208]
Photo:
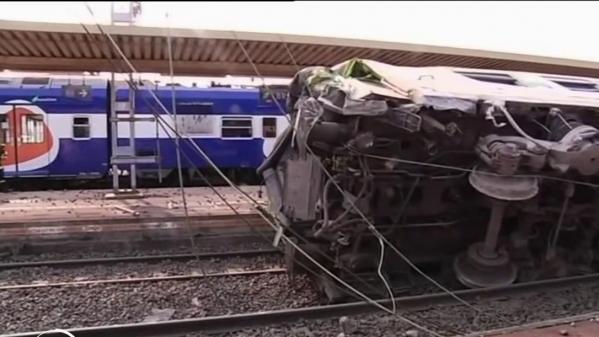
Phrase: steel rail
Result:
[219,324]
[121,220]
[133,259]
[536,325]
[142,279]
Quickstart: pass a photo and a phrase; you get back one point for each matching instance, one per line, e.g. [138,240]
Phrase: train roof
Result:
[46,82]
[461,88]
[68,95]
[98,82]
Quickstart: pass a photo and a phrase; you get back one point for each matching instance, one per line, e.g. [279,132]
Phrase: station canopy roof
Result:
[33,46]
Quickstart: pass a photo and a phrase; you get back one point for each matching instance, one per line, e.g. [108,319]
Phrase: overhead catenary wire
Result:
[177,138]
[274,226]
[162,123]
[132,84]
[380,235]
[559,179]
[178,150]
[381,242]
[312,260]
[174,109]
[468,170]
[212,164]
[370,225]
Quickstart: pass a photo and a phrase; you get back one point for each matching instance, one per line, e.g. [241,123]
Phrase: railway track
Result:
[131,259]
[143,279]
[44,222]
[99,243]
[406,305]
[94,271]
[565,326]
[128,228]
[110,291]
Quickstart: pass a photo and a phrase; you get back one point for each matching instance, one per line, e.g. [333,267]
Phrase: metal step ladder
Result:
[125,154]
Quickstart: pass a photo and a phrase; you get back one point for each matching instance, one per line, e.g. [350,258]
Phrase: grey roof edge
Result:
[288,38]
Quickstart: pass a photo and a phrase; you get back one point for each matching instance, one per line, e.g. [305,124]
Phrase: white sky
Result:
[558,29]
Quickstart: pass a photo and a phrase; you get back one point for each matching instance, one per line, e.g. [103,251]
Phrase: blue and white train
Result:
[61,128]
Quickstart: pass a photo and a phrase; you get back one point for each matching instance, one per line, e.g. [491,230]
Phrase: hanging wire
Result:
[320,266]
[469,170]
[133,86]
[162,124]
[370,225]
[177,138]
[382,277]
[274,226]
[174,109]
[213,165]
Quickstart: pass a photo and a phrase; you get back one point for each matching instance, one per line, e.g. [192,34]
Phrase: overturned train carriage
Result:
[490,173]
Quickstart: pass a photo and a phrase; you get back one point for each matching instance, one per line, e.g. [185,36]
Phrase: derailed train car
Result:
[492,173]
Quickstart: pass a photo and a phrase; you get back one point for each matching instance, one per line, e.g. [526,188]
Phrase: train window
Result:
[6,136]
[81,127]
[574,84]
[35,81]
[32,129]
[6,131]
[196,124]
[490,77]
[237,127]
[269,127]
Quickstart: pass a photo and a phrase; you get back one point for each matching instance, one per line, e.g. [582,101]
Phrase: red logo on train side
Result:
[30,144]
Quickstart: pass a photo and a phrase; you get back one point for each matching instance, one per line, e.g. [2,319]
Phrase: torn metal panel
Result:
[408,150]
[302,187]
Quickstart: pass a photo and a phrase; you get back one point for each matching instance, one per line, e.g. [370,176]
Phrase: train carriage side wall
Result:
[62,130]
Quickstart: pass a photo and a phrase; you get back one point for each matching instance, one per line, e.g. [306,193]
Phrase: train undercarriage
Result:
[498,184]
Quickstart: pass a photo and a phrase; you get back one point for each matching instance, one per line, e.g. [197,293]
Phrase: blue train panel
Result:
[61,128]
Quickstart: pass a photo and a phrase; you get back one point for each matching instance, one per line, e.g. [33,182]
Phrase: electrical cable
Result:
[469,170]
[163,123]
[371,226]
[224,176]
[382,277]
[188,227]
[214,166]
[174,109]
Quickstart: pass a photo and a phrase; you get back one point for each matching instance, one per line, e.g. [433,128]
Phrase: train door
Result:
[28,142]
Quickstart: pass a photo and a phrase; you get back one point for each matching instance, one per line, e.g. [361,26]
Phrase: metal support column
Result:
[133,170]
[113,134]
